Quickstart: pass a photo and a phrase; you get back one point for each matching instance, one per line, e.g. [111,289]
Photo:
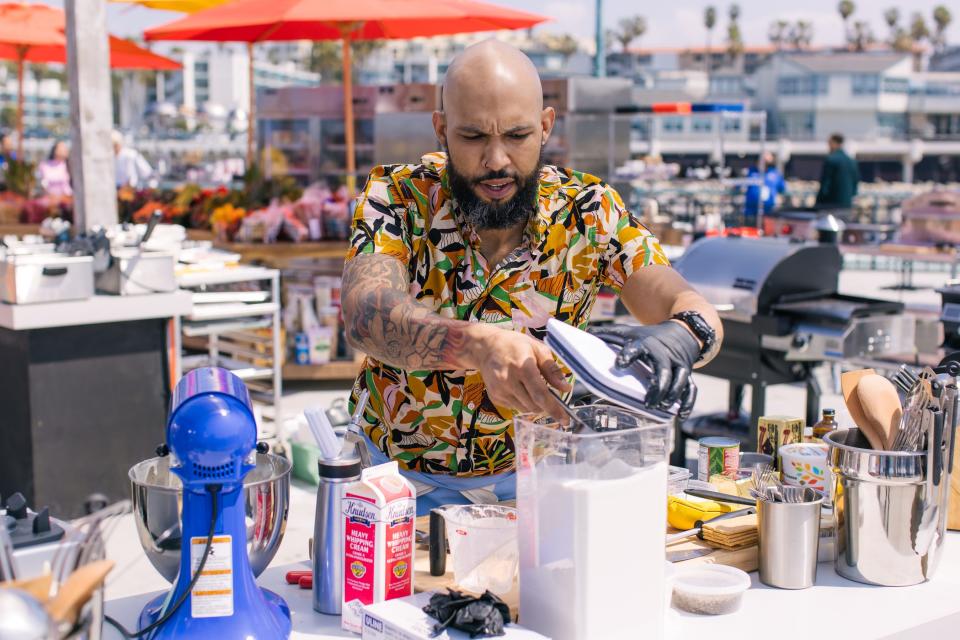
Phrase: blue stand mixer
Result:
[212,441]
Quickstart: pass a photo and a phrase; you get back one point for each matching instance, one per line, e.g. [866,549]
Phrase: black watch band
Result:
[700,328]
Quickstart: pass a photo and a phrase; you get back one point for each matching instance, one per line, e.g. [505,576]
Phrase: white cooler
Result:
[47,277]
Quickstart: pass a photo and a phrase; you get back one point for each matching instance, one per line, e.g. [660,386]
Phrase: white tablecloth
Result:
[835,607]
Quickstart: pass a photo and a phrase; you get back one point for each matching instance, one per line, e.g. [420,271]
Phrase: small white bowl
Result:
[709,589]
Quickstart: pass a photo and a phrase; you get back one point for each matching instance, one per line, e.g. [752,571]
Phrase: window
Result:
[798,124]
[702,125]
[814,85]
[865,84]
[943,89]
[896,85]
[724,86]
[891,124]
[731,124]
[672,123]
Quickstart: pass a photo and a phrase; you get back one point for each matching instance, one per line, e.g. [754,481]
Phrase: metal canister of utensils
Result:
[335,475]
[789,535]
[891,509]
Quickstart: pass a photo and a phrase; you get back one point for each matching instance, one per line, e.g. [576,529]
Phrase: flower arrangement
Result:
[225,221]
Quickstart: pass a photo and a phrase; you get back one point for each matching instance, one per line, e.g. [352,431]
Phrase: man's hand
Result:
[517,370]
[669,349]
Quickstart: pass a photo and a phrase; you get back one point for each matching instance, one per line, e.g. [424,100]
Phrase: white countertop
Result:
[835,607]
[96,310]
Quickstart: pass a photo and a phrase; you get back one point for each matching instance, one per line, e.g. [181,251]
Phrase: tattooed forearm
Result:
[384,321]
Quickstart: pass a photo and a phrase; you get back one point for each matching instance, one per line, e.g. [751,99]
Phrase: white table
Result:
[835,607]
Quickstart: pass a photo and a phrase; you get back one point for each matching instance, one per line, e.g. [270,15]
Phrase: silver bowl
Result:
[157,500]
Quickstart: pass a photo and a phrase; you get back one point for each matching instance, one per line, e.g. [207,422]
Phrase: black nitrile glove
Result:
[669,349]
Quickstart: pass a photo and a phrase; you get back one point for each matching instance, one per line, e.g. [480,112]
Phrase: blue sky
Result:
[677,23]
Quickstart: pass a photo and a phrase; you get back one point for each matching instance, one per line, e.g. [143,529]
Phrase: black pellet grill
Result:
[782,316]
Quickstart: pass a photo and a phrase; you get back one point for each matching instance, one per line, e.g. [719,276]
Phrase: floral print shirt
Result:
[580,237]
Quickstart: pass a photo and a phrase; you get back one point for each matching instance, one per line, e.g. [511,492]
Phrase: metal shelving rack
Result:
[229,330]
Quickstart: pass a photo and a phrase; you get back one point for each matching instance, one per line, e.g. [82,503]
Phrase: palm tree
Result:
[629,29]
[918,28]
[942,18]
[861,36]
[846,9]
[709,21]
[801,34]
[778,33]
[734,12]
[734,37]
[902,41]
[892,16]
[564,44]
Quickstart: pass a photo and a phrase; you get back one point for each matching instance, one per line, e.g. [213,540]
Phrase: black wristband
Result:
[700,328]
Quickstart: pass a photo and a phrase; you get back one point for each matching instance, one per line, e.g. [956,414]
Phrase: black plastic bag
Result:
[480,617]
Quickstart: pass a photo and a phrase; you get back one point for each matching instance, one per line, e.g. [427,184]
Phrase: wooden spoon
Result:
[77,589]
[848,384]
[881,406]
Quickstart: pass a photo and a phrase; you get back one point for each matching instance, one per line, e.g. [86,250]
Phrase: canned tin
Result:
[718,455]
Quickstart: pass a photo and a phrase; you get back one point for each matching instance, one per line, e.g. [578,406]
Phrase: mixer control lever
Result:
[263,448]
[162,450]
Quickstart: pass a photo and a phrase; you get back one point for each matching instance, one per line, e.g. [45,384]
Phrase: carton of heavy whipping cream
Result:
[379,511]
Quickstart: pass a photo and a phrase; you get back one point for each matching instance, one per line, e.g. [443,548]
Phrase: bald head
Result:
[492,65]
[493,126]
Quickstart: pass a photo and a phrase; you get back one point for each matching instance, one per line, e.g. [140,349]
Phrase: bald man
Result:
[457,263]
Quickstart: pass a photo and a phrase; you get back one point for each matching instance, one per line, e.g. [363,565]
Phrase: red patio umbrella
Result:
[254,21]
[35,33]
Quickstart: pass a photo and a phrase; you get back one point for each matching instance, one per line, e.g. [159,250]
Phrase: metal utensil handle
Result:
[720,497]
[155,218]
[950,422]
[938,445]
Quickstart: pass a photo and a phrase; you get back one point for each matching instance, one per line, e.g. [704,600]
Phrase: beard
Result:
[495,215]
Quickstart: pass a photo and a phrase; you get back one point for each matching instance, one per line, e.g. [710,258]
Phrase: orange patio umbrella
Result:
[253,21]
[35,33]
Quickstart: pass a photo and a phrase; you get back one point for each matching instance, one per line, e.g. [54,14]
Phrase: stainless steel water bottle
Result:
[335,475]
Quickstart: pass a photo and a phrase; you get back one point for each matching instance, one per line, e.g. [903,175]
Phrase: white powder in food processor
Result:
[592,551]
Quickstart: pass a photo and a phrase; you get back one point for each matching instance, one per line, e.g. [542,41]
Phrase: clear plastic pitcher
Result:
[483,546]
[592,506]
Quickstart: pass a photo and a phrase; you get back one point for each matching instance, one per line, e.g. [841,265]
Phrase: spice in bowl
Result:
[712,589]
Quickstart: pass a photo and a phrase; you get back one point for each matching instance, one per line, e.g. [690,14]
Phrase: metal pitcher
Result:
[891,509]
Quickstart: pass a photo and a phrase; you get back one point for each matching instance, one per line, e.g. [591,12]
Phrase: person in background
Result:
[839,179]
[763,195]
[53,174]
[6,148]
[133,170]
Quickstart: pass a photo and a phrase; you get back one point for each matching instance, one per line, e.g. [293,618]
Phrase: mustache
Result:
[496,175]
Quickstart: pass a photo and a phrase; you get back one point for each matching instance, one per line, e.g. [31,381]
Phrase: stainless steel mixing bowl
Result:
[156,508]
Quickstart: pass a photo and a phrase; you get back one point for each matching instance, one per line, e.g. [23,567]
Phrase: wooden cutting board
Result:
[746,559]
